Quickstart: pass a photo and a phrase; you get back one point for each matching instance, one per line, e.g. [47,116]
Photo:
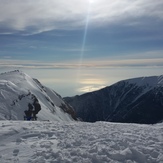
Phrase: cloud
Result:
[90,88]
[149,55]
[146,59]
[30,17]
[7,57]
[89,81]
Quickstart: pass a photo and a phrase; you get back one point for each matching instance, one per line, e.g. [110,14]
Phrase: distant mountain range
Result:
[138,100]
[22,97]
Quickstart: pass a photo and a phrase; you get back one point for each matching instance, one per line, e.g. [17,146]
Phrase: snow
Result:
[146,83]
[150,81]
[67,142]
[18,89]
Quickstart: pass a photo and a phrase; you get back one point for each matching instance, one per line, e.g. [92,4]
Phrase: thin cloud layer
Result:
[29,17]
[110,63]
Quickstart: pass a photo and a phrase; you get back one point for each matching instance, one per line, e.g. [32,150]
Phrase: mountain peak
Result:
[137,100]
[13,72]
[18,91]
[150,81]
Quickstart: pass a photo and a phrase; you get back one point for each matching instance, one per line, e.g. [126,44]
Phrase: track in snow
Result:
[62,142]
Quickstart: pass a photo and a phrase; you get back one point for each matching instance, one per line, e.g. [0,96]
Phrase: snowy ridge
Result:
[18,90]
[138,100]
[61,142]
[151,81]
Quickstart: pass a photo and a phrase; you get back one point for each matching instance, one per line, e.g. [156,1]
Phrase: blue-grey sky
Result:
[111,40]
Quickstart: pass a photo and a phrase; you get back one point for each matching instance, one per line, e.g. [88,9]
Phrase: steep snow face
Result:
[138,100]
[19,93]
[77,142]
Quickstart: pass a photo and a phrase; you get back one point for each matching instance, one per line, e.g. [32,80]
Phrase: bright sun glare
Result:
[91,1]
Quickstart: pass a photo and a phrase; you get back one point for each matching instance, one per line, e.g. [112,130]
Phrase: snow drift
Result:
[19,94]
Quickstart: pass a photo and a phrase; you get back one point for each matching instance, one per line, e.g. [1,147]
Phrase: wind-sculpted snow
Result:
[60,142]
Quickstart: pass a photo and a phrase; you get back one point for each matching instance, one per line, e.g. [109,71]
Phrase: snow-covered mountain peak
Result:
[137,100]
[160,80]
[17,77]
[18,91]
[151,81]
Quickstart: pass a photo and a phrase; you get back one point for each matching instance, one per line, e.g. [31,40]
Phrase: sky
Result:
[78,46]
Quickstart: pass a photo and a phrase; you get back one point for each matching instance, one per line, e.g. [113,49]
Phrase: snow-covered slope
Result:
[77,142]
[138,100]
[19,93]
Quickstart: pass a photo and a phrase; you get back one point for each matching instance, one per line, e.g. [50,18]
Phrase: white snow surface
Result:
[147,83]
[151,81]
[79,142]
[16,84]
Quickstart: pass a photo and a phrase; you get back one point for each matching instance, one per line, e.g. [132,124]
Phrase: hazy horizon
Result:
[90,80]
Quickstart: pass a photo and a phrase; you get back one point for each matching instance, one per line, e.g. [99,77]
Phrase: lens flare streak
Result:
[84,38]
[83,43]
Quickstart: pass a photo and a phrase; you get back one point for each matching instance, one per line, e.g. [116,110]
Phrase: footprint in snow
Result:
[18,141]
[15,152]
[46,144]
